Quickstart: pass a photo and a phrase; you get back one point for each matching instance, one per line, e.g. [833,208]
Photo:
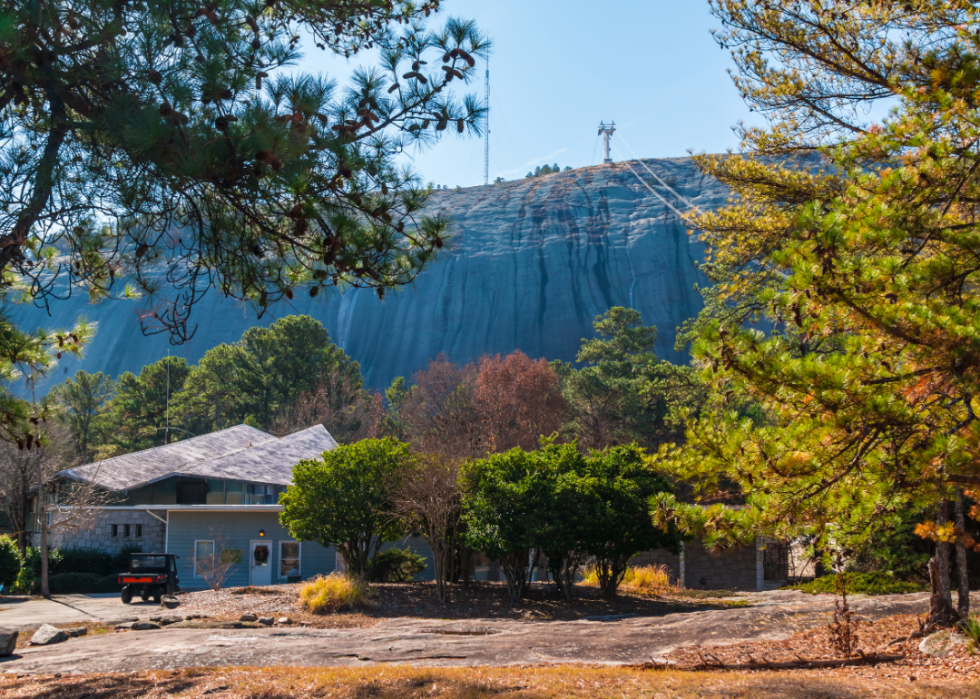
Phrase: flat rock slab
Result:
[426,642]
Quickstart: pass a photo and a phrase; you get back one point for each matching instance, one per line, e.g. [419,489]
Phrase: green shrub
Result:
[77,584]
[971,629]
[394,565]
[24,583]
[10,561]
[860,584]
[82,560]
[33,560]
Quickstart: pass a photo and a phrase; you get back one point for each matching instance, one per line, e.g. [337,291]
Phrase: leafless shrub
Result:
[428,498]
[843,629]
[216,567]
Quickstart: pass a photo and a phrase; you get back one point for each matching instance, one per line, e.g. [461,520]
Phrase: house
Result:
[217,490]
[220,492]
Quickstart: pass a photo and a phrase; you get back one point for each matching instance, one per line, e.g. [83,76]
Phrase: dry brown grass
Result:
[400,682]
[653,579]
[327,594]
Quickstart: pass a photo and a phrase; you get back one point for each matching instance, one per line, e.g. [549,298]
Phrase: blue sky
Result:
[558,68]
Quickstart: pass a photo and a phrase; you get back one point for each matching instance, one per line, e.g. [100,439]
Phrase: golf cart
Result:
[150,575]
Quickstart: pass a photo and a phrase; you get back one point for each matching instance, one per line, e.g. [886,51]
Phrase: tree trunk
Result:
[42,514]
[467,558]
[963,591]
[439,567]
[941,612]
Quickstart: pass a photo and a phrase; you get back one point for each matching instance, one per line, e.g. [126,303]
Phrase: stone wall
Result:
[97,534]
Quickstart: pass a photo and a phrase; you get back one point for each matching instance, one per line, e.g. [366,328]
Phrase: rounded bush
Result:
[860,584]
[10,561]
[394,565]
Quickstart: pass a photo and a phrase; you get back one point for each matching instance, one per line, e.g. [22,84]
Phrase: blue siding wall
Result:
[236,530]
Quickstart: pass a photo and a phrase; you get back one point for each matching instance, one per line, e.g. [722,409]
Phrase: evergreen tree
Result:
[153,141]
[856,244]
[137,416]
[623,393]
[84,401]
[265,373]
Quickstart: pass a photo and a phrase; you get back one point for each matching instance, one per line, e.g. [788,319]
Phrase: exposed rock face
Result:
[532,262]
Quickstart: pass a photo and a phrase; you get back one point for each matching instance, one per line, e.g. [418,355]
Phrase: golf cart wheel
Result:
[126,594]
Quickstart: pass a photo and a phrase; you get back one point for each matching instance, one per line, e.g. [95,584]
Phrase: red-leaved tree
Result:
[438,415]
[518,400]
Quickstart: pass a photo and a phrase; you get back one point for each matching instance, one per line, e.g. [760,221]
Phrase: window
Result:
[289,559]
[165,492]
[139,531]
[192,492]
[126,530]
[261,494]
[216,492]
[233,493]
[203,550]
[115,530]
[143,562]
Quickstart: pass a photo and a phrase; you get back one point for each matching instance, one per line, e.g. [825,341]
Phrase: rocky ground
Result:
[781,617]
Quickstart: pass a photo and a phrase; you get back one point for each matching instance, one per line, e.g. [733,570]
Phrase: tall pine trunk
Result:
[963,591]
[941,612]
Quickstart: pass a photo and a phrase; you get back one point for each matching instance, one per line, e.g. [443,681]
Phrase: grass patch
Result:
[400,682]
[859,584]
[336,592]
[654,579]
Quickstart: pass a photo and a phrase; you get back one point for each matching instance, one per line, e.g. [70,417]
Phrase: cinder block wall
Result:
[733,569]
[657,558]
[96,533]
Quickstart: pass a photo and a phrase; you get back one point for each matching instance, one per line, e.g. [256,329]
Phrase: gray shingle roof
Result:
[237,453]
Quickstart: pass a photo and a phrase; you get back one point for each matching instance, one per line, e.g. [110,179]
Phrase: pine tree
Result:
[155,148]
[154,139]
[856,245]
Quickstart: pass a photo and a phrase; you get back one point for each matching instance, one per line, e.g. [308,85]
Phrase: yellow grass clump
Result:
[648,578]
[326,594]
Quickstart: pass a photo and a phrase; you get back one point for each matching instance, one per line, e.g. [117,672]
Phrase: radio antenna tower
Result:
[607,131]
[486,136]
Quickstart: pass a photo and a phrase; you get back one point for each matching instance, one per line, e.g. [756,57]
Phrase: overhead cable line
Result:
[656,176]
[645,184]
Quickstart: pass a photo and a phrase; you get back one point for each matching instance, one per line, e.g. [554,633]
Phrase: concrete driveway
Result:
[69,609]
